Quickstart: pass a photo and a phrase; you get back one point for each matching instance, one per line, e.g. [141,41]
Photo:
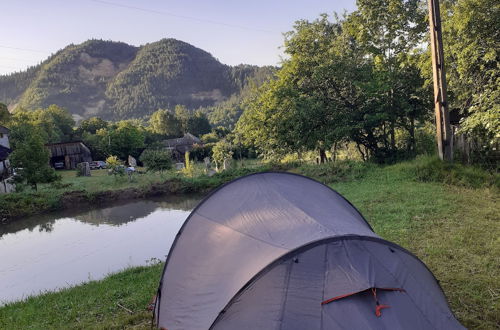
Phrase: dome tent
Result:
[282,251]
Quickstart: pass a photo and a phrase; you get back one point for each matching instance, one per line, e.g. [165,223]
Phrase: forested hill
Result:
[114,80]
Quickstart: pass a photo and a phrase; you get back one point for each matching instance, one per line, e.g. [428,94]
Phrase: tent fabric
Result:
[288,293]
[236,233]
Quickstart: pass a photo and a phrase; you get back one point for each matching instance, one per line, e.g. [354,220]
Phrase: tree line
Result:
[365,78]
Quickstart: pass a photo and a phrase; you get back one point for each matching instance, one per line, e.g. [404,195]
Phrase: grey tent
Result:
[282,251]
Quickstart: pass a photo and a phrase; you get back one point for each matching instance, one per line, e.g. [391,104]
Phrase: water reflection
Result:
[66,248]
[118,214]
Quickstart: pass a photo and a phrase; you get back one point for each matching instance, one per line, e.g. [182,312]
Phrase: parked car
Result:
[59,166]
[98,164]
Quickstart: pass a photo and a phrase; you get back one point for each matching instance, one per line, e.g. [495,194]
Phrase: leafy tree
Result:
[344,81]
[4,114]
[198,124]
[55,123]
[115,166]
[21,127]
[32,156]
[389,32]
[92,125]
[164,122]
[317,95]
[472,47]
[124,138]
[182,114]
[156,159]
[221,151]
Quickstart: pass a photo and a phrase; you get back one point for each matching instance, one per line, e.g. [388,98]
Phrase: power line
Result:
[24,49]
[182,16]
[16,59]
[9,67]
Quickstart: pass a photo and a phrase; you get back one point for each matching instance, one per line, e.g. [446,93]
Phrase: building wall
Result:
[4,140]
[2,168]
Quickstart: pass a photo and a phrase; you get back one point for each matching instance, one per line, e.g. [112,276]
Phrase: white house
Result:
[5,170]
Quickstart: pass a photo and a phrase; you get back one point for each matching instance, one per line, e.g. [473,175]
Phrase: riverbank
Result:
[447,216]
[102,189]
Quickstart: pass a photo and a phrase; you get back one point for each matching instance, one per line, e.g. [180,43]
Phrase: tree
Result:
[345,80]
[4,114]
[198,124]
[56,121]
[33,158]
[220,152]
[124,138]
[92,125]
[164,122]
[156,159]
[472,47]
[389,32]
[317,97]
[182,114]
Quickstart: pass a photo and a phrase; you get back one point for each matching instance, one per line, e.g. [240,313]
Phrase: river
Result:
[50,252]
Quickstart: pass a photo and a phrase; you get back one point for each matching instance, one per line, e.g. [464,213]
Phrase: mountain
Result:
[114,80]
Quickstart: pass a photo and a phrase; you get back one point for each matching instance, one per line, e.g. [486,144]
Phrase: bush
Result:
[157,160]
[188,169]
[432,169]
[345,170]
[115,166]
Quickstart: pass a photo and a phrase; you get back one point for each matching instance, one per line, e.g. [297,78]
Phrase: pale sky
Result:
[234,31]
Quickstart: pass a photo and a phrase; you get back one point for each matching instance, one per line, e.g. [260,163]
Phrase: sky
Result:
[233,31]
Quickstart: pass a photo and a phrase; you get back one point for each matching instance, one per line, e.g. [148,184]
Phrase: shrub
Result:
[115,166]
[188,169]
[337,171]
[157,160]
[432,169]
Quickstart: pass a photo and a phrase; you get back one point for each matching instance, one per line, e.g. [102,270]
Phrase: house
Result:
[5,168]
[180,146]
[68,154]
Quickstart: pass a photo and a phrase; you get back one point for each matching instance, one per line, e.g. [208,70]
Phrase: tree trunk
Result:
[393,135]
[412,145]
[322,156]
[360,151]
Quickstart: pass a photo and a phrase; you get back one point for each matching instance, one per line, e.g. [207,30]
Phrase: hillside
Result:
[114,80]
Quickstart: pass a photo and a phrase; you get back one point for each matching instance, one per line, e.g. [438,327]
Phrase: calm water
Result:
[46,253]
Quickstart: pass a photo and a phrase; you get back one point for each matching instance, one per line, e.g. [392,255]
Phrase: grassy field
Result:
[50,197]
[453,227]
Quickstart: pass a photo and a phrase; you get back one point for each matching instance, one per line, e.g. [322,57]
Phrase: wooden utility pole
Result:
[443,128]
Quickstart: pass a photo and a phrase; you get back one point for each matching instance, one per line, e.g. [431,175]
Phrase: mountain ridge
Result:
[114,80]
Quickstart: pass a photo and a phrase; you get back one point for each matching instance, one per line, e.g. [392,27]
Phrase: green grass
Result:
[93,305]
[50,197]
[453,228]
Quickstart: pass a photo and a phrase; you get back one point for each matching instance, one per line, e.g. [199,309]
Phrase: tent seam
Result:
[285,298]
[324,283]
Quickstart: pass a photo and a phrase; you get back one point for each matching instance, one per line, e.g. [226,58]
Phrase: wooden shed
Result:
[69,153]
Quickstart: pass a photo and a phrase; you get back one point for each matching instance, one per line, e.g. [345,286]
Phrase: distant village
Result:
[67,155]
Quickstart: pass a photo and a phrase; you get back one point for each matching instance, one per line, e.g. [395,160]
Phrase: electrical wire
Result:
[181,16]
